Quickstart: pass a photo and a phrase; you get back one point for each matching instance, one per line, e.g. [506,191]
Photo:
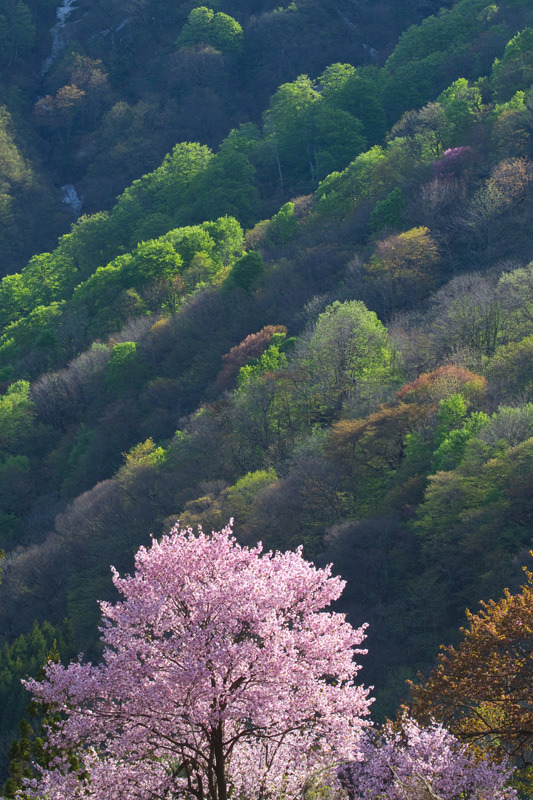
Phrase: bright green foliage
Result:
[150,262]
[462,103]
[163,189]
[16,415]
[272,360]
[92,242]
[219,30]
[221,241]
[143,456]
[354,335]
[362,179]
[270,404]
[515,69]
[439,444]
[190,240]
[225,187]
[439,33]
[289,122]
[245,139]
[46,278]
[102,287]
[347,354]
[241,496]
[110,295]
[291,100]
[283,225]
[357,91]
[122,368]
[158,262]
[96,240]
[15,298]
[35,332]
[452,447]
[335,77]
[451,414]
[371,175]
[152,227]
[228,237]
[424,53]
[310,136]
[50,277]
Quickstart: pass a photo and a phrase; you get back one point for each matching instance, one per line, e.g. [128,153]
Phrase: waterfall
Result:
[58,32]
[71,198]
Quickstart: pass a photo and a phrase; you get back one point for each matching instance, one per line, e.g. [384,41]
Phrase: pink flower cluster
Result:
[222,674]
[422,764]
[453,161]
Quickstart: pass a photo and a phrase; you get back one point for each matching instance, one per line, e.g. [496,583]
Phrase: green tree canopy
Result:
[205,26]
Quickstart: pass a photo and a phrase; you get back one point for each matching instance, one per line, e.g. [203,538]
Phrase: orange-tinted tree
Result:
[483,689]
[252,347]
[430,387]
[403,268]
[373,446]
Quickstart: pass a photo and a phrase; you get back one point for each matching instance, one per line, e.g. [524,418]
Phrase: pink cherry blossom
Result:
[222,674]
[417,763]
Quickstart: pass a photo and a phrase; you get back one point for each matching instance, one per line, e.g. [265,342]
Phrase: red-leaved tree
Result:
[222,675]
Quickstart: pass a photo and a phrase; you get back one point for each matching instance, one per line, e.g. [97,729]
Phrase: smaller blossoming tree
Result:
[222,675]
[417,763]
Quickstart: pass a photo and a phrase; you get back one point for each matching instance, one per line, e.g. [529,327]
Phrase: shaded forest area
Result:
[317,319]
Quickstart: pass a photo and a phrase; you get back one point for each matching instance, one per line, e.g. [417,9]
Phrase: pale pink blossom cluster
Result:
[222,674]
[420,763]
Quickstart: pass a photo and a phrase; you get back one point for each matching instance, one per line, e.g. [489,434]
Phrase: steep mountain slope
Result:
[93,98]
[157,365]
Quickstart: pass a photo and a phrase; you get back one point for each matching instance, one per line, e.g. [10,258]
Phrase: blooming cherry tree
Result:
[222,674]
[417,763]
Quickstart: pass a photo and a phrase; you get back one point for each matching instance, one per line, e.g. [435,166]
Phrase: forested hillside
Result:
[309,308]
[95,97]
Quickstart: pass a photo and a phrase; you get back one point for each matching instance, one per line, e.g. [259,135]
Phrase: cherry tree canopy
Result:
[221,673]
